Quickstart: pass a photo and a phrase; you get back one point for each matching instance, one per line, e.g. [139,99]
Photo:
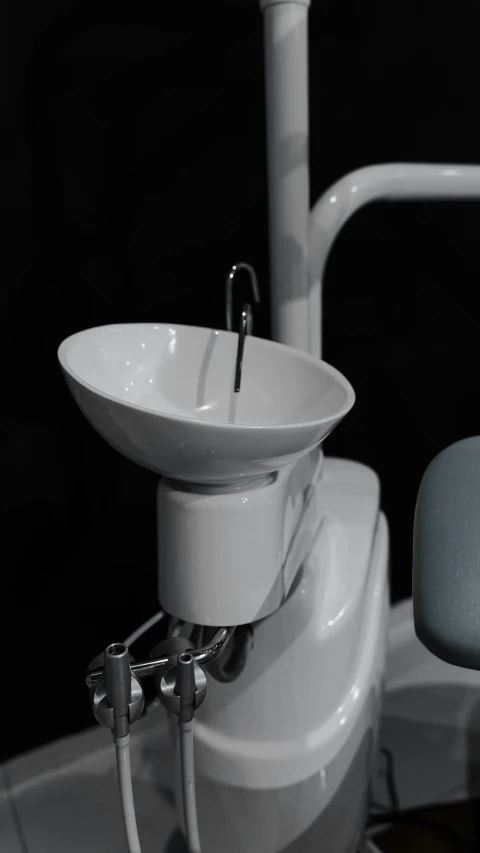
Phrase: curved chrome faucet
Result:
[246,323]
[229,288]
[246,319]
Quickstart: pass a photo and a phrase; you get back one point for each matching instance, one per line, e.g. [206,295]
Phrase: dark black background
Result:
[133,176]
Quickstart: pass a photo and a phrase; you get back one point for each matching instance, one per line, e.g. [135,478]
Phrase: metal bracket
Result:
[143,669]
[170,699]
[104,713]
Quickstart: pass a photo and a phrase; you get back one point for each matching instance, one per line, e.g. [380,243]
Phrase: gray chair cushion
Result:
[446,555]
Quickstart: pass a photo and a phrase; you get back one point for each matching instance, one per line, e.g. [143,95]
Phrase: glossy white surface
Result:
[389,181]
[284,753]
[286,80]
[317,658]
[163,396]
[229,558]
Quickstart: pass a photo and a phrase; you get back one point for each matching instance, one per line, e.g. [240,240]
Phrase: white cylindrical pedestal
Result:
[220,555]
[226,555]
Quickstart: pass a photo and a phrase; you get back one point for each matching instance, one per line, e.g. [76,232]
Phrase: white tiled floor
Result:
[68,804]
[64,816]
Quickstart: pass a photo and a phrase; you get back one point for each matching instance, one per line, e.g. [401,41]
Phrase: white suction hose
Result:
[122,750]
[187,768]
[144,628]
[185,733]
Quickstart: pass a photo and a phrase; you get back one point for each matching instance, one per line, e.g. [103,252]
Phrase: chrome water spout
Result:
[246,318]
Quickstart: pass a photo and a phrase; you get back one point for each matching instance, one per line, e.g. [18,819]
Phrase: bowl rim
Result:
[68,342]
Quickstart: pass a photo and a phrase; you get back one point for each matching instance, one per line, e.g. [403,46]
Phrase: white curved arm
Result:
[390,181]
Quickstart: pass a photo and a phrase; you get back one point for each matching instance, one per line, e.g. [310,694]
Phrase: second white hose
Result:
[122,749]
[144,628]
[185,732]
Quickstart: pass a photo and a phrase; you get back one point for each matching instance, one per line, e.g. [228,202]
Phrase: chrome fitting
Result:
[183,687]
[117,696]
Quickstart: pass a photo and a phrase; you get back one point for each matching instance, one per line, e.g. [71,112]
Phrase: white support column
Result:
[390,181]
[286,73]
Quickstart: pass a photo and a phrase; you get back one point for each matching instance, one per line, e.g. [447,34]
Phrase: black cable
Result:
[390,779]
[450,835]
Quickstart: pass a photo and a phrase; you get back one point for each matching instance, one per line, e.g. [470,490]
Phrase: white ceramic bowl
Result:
[162,395]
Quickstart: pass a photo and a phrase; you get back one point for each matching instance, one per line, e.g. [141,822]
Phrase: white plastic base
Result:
[227,555]
[68,789]
[284,753]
